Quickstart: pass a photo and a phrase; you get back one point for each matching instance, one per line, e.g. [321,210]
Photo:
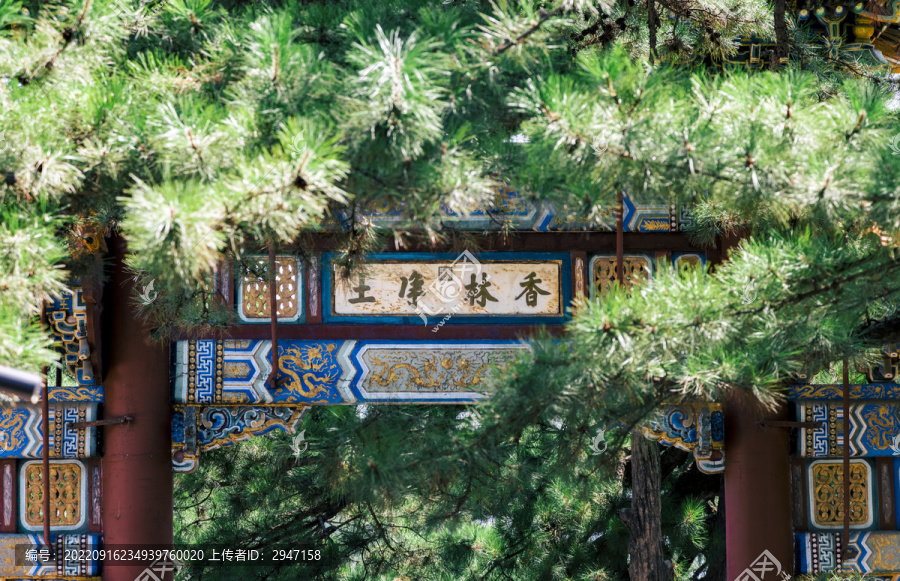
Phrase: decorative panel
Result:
[874,430]
[871,552]
[95,483]
[508,207]
[832,391]
[253,292]
[21,434]
[335,372]
[694,427]
[603,272]
[685,260]
[408,288]
[884,469]
[68,495]
[14,552]
[67,318]
[516,210]
[411,371]
[313,288]
[579,274]
[825,481]
[7,496]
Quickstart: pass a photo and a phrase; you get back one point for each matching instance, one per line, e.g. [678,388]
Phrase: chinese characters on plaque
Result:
[463,286]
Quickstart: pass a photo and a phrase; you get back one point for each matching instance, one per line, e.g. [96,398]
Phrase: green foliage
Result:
[206,130]
[199,128]
[419,492]
[29,274]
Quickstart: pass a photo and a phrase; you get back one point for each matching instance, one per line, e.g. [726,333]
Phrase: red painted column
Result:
[757,487]
[137,490]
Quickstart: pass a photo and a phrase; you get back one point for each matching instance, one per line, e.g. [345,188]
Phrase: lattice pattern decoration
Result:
[255,303]
[66,481]
[67,318]
[603,272]
[826,482]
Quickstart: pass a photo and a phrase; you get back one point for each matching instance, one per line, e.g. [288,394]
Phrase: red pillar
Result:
[757,487]
[137,471]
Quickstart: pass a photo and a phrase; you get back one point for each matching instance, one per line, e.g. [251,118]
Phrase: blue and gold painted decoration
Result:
[873,552]
[694,427]
[66,393]
[448,288]
[67,317]
[336,372]
[185,449]
[81,393]
[421,372]
[21,434]
[653,218]
[825,480]
[14,562]
[311,371]
[835,391]
[511,208]
[197,429]
[874,430]
[225,426]
[832,19]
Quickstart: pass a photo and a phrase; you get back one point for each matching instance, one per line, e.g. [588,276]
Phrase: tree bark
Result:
[652,25]
[644,518]
[782,44]
[716,565]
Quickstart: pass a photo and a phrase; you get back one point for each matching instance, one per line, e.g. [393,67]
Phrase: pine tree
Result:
[202,130]
[354,495]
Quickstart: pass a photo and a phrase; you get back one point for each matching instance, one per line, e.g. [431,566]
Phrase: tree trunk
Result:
[716,565]
[644,518]
[652,25]
[782,44]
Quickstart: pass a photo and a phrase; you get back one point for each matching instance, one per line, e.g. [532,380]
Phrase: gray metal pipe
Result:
[21,384]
